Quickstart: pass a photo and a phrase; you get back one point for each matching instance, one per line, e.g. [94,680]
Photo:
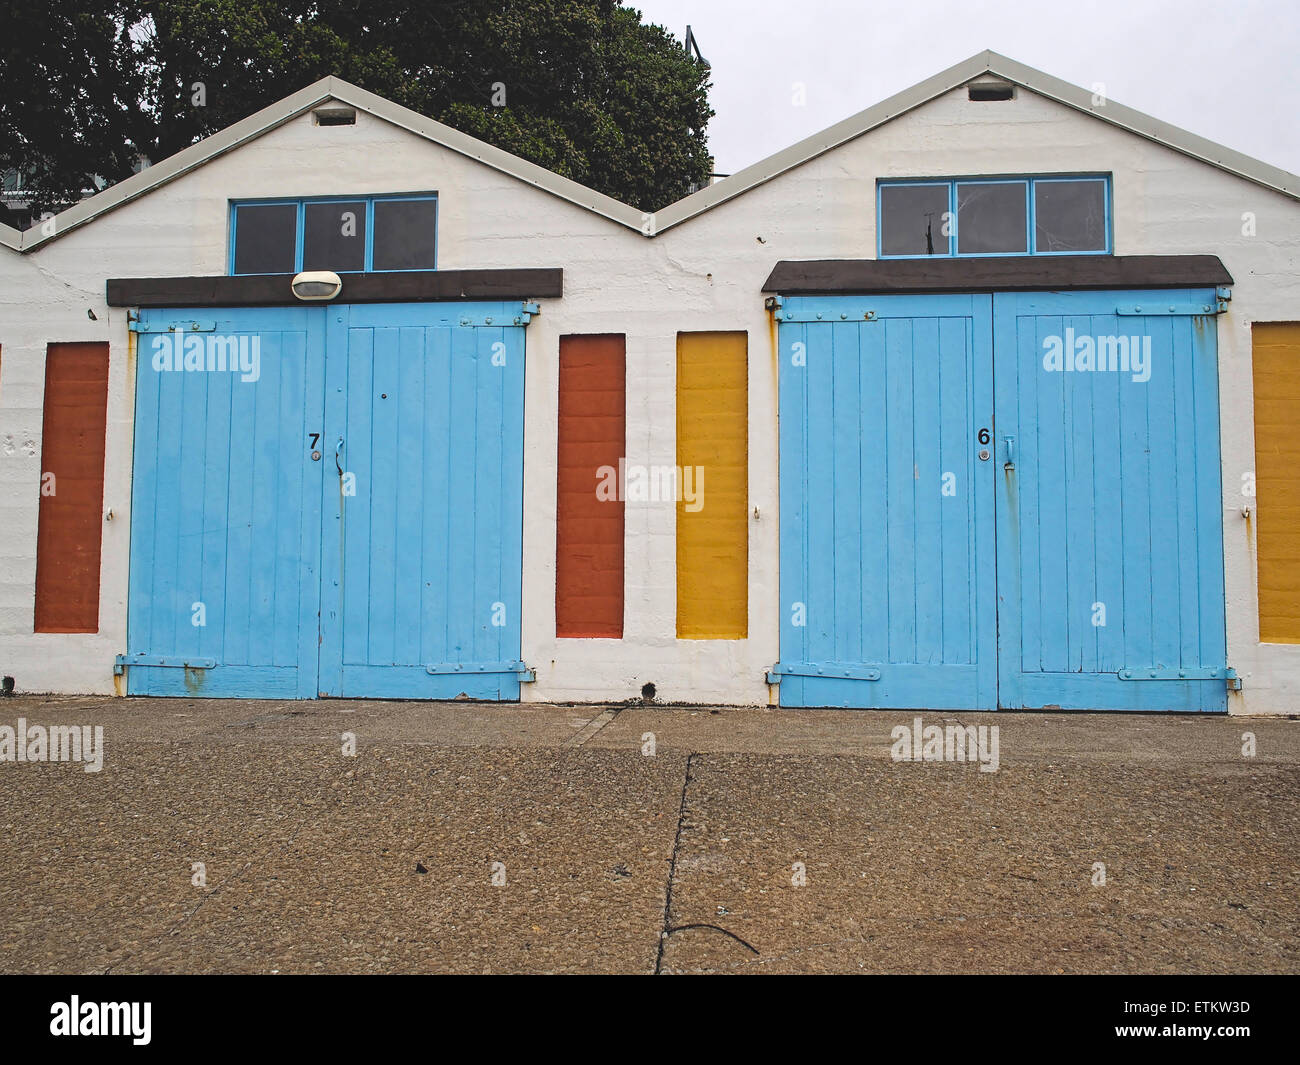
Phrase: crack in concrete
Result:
[664,931]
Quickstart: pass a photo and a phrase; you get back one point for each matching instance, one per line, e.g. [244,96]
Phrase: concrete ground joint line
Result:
[672,866]
[593,727]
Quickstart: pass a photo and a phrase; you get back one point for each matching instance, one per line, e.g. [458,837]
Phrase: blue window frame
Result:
[1060,214]
[265,249]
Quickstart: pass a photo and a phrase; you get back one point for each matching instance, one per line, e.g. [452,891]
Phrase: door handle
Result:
[337,449]
[1011,452]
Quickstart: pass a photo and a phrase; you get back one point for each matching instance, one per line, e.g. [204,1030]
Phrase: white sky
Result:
[1228,70]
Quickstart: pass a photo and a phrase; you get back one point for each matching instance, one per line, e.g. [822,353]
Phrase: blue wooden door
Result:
[328,500]
[887,552]
[1110,552]
[225,511]
[423,550]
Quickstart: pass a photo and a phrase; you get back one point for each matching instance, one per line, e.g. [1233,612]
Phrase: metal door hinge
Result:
[163,661]
[1181,673]
[525,673]
[827,670]
[205,326]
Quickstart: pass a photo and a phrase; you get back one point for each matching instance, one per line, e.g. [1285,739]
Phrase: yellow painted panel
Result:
[1276,360]
[713,529]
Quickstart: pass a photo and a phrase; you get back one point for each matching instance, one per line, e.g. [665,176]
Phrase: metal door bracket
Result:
[827,670]
[525,673]
[165,661]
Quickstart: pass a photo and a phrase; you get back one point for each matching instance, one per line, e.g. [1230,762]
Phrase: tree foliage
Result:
[581,87]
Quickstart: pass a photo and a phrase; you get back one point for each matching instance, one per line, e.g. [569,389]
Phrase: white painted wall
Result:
[706,273]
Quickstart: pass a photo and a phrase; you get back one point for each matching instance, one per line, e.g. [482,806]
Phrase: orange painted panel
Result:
[1276,360]
[70,521]
[589,528]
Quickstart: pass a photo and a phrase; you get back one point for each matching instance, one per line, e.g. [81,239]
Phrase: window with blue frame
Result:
[1058,215]
[346,234]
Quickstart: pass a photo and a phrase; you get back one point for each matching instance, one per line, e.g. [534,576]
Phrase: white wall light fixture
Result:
[317,285]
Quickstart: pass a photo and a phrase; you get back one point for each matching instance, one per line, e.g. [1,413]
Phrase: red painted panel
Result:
[588,529]
[72,500]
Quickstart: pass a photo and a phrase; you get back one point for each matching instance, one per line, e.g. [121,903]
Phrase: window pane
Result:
[1070,215]
[266,237]
[334,236]
[991,218]
[404,234]
[911,219]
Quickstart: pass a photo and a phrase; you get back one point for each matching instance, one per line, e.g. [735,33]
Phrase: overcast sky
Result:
[1229,71]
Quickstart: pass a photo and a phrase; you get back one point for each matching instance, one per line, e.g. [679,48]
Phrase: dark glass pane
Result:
[911,219]
[1070,215]
[334,236]
[991,218]
[266,236]
[404,234]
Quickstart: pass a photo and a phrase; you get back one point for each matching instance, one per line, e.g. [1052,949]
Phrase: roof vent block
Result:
[335,115]
[988,91]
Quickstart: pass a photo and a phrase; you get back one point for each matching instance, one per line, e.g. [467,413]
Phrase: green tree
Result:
[581,87]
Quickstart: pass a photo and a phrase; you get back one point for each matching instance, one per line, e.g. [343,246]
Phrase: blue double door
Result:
[1007,500]
[328,501]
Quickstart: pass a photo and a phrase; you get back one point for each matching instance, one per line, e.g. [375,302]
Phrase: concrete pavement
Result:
[468,837]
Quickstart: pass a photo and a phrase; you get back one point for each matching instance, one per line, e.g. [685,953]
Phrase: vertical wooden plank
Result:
[407,411]
[1212,610]
[437,464]
[712,437]
[792,346]
[70,519]
[1107,471]
[1187,452]
[874,405]
[1053,476]
[1080,548]
[239,534]
[1276,374]
[927,491]
[270,497]
[900,475]
[465,613]
[821,620]
[494,612]
[144,499]
[383,495]
[589,529]
[1168,540]
[846,499]
[1135,507]
[957,441]
[357,459]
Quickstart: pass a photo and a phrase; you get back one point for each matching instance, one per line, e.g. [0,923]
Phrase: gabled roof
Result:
[336,89]
[291,107]
[954,77]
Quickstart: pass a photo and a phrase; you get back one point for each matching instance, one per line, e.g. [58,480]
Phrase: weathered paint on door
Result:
[1071,557]
[1110,544]
[225,512]
[330,523]
[887,594]
[423,551]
